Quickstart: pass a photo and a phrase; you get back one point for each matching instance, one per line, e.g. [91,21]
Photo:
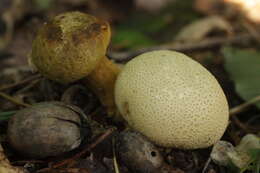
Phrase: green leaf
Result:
[145,22]
[153,24]
[244,69]
[131,39]
[254,163]
[6,115]
[255,156]
[43,4]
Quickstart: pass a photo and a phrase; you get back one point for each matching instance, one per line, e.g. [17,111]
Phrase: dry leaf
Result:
[224,153]
[250,9]
[208,6]
[219,152]
[198,30]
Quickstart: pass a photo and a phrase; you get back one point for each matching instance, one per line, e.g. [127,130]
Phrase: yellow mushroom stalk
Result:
[72,46]
[172,99]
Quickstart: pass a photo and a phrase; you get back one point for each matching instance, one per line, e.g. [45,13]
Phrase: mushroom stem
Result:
[102,81]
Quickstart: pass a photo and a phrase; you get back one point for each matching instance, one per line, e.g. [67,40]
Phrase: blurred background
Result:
[136,24]
[223,35]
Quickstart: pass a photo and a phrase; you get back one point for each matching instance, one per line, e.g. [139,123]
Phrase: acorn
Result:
[137,153]
[47,129]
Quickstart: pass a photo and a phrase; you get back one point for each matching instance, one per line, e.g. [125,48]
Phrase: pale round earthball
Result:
[172,99]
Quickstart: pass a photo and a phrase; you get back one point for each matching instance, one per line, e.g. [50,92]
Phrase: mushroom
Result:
[172,100]
[72,46]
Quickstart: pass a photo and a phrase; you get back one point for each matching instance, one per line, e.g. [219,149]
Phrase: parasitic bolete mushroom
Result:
[72,46]
[172,100]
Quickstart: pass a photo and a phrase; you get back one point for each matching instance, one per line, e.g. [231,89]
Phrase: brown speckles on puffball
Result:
[173,100]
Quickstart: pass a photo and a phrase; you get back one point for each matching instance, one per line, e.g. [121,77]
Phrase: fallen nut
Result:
[47,129]
[137,153]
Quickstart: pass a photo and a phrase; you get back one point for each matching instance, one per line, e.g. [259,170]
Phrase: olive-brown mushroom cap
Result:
[68,47]
[172,100]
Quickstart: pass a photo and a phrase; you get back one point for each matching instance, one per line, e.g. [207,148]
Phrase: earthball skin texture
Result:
[172,99]
[45,129]
[69,46]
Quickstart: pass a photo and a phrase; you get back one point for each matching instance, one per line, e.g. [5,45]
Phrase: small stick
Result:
[206,165]
[252,30]
[32,78]
[182,47]
[73,170]
[13,100]
[243,106]
[91,146]
[29,86]
[27,161]
[240,124]
[116,167]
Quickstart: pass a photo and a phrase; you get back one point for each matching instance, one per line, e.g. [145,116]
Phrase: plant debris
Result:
[222,35]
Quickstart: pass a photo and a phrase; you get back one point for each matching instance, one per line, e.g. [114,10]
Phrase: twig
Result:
[27,161]
[243,106]
[245,126]
[182,47]
[206,165]
[253,119]
[252,30]
[29,86]
[32,78]
[235,138]
[13,100]
[240,124]
[73,170]
[116,167]
[91,146]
